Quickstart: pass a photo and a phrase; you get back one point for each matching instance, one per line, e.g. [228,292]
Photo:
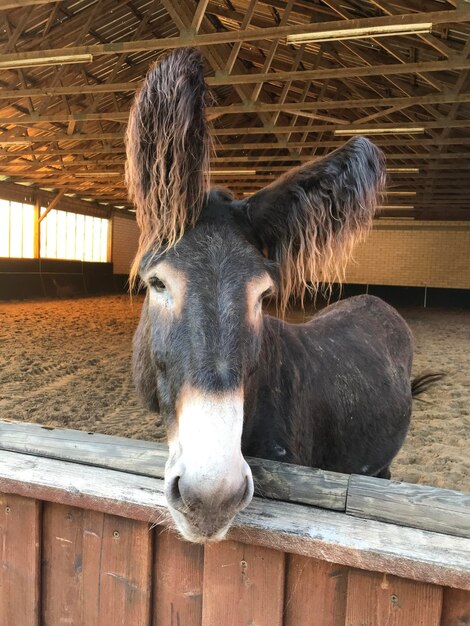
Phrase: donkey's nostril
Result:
[248,492]
[173,491]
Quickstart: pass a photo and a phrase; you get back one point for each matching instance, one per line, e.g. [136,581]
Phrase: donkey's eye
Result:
[266,294]
[157,284]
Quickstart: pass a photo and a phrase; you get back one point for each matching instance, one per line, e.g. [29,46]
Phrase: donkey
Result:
[228,380]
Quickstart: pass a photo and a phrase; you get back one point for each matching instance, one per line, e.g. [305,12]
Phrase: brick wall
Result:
[432,254]
[124,244]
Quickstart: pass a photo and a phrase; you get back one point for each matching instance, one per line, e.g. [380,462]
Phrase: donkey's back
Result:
[342,388]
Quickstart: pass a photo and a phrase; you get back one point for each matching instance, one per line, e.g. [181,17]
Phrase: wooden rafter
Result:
[52,205]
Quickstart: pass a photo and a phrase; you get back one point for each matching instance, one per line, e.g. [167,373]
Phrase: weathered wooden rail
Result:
[317,548]
[415,506]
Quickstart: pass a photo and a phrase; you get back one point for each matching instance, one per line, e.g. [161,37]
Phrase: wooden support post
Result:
[109,251]
[37,230]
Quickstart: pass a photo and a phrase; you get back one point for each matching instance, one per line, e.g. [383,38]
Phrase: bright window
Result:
[16,229]
[67,235]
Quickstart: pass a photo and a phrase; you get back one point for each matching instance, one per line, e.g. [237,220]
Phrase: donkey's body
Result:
[334,392]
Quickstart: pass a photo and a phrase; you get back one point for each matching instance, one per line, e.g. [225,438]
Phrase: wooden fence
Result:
[86,541]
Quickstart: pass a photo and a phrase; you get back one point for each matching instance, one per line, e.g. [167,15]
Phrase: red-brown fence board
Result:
[315,592]
[19,560]
[63,569]
[125,572]
[93,525]
[178,579]
[96,568]
[243,584]
[456,608]
[374,599]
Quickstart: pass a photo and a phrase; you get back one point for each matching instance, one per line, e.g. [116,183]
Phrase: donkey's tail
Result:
[424,381]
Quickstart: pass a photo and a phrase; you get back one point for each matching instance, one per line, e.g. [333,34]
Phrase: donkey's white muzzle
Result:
[207,480]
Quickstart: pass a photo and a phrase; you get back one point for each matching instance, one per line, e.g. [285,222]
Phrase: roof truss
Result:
[278,104]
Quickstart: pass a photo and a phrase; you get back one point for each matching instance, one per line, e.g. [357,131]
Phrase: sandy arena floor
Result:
[67,363]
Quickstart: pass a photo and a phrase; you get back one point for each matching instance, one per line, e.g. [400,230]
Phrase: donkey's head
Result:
[208,262]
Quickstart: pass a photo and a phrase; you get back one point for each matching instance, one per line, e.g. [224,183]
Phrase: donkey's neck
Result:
[270,396]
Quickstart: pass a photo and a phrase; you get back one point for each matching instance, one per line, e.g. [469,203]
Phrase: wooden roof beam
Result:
[17,4]
[52,205]
[298,108]
[9,139]
[260,164]
[236,147]
[199,15]
[225,78]
[459,15]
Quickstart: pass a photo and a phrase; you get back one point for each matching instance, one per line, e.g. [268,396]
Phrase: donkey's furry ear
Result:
[168,149]
[310,218]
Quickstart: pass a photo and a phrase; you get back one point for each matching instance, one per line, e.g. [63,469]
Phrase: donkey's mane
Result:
[168,148]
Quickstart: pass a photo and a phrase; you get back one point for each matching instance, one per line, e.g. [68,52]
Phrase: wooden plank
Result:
[96,568]
[93,524]
[455,608]
[295,483]
[178,577]
[375,598]
[280,481]
[130,455]
[315,592]
[19,560]
[243,584]
[109,148]
[70,571]
[260,164]
[328,535]
[416,506]
[125,572]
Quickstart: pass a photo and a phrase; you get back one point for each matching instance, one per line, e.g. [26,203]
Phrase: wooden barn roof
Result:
[69,70]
